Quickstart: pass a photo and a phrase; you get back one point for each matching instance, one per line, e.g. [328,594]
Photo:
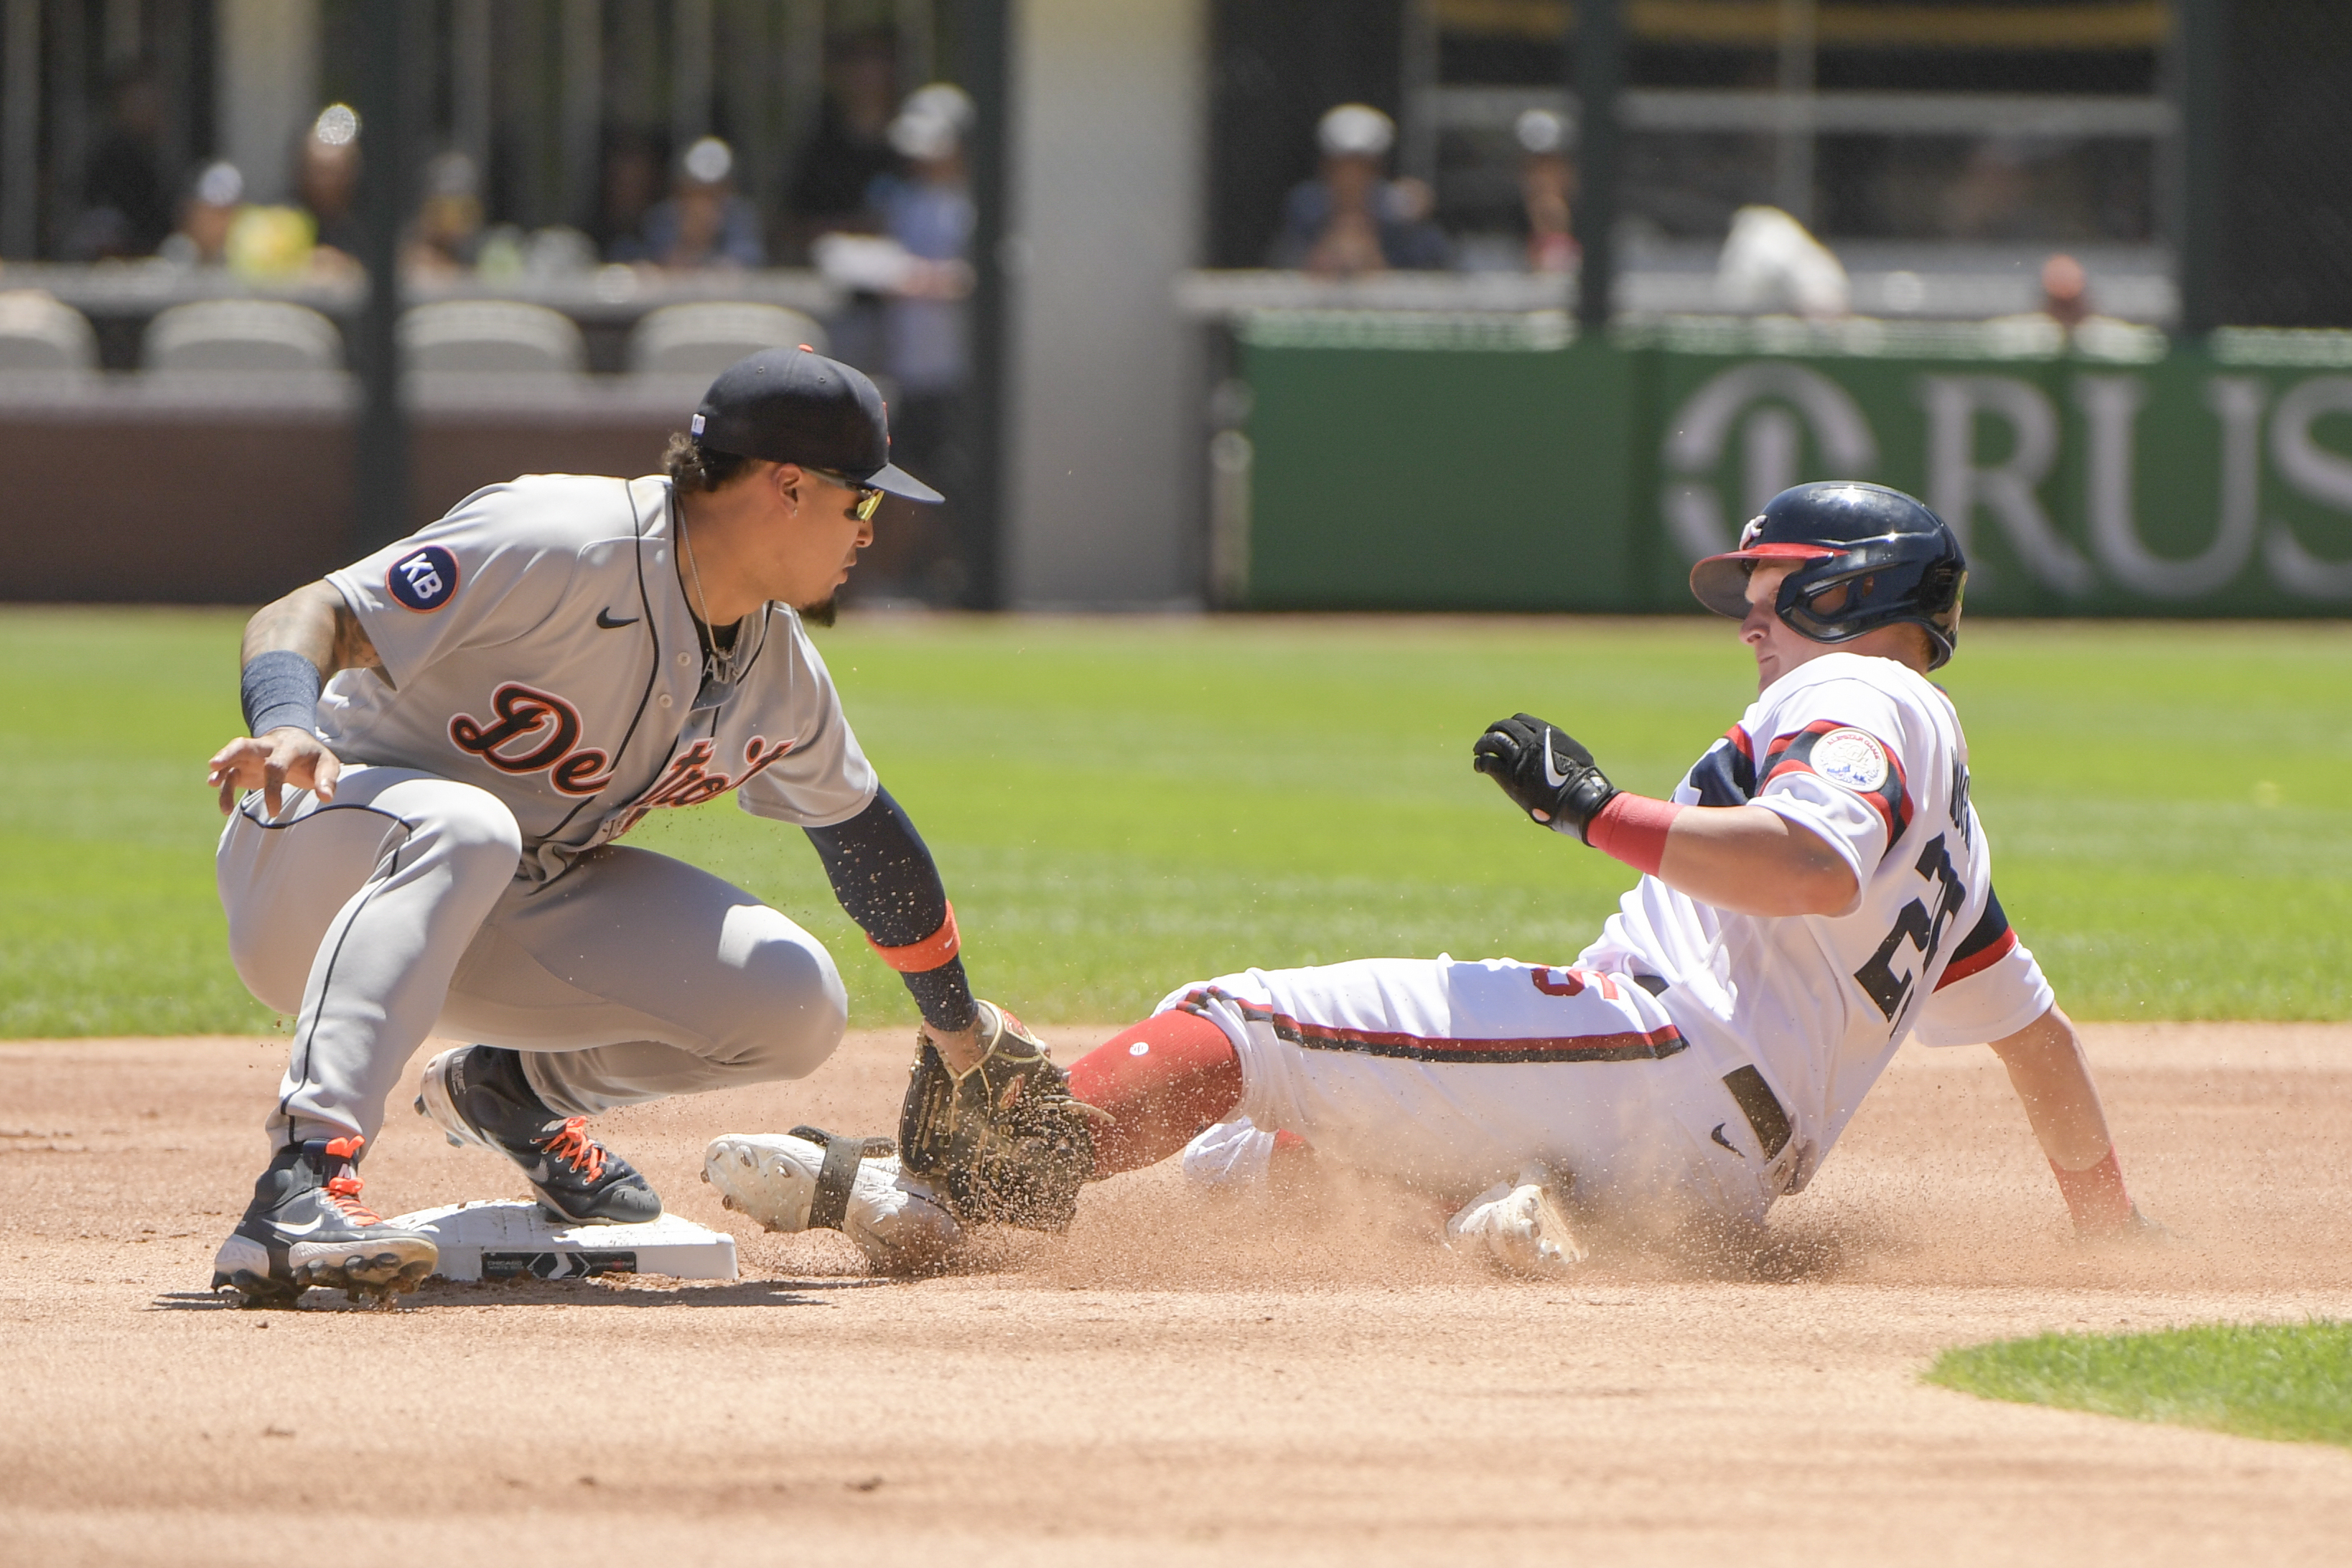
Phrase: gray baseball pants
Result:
[394,913]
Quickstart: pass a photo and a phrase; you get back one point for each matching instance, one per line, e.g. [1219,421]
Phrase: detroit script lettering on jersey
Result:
[689,779]
[522,714]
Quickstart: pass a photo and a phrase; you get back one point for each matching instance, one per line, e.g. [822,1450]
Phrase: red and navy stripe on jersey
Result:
[1620,1045]
[1988,942]
[1727,774]
[1794,753]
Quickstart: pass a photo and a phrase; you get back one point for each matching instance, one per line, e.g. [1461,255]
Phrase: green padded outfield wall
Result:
[1499,464]
[1462,476]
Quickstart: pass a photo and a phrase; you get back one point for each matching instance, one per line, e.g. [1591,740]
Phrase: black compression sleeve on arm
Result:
[884,878]
[280,687]
[883,873]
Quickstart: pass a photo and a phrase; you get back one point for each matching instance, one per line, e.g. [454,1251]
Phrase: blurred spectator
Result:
[99,233]
[2067,321]
[327,183]
[126,211]
[929,212]
[704,223]
[2026,187]
[2065,291]
[851,146]
[633,177]
[920,268]
[1351,220]
[1546,187]
[447,237]
[320,238]
[275,245]
[1770,263]
[1993,197]
[507,254]
[213,203]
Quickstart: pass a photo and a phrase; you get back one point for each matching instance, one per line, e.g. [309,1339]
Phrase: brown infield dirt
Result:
[1181,1378]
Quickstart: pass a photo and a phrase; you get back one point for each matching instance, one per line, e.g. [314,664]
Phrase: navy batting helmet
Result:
[1866,556]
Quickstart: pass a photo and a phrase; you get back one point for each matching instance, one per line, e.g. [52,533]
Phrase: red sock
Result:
[1292,1163]
[1162,1081]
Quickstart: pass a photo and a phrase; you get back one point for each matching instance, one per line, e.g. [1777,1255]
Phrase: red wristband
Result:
[2094,1195]
[921,957]
[1633,829]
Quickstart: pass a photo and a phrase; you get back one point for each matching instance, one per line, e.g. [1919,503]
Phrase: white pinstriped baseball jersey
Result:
[1870,756]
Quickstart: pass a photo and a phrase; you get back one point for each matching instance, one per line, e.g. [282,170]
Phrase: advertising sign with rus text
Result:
[2116,476]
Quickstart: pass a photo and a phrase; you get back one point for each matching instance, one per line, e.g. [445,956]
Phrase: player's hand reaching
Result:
[1544,771]
[286,757]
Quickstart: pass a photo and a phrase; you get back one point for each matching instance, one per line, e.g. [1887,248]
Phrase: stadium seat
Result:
[701,340]
[491,337]
[40,333]
[241,336]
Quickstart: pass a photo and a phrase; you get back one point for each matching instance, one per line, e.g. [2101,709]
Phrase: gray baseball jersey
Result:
[536,643]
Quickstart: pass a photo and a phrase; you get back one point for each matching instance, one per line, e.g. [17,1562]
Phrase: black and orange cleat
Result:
[307,1226]
[478,1095]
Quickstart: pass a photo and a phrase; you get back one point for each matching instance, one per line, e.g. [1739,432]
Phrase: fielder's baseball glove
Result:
[1003,1140]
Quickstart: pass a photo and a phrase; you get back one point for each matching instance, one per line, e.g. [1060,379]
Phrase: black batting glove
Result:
[1545,774]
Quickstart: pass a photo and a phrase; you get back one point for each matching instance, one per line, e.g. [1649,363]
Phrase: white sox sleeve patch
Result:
[1850,757]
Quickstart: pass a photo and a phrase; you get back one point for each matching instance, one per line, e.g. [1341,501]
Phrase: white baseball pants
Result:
[394,913]
[1450,1077]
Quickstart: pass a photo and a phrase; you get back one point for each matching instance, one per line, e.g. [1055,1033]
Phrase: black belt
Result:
[1757,1101]
[1762,1109]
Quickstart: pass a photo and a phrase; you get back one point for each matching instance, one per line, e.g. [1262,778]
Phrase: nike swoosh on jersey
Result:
[1552,775]
[605,621]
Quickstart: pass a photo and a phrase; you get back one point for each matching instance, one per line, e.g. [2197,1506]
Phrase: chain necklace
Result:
[701,605]
[718,667]
[721,667]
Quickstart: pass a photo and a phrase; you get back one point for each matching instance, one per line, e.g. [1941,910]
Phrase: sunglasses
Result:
[869,499]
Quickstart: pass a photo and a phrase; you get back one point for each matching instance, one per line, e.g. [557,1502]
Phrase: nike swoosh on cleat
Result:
[604,620]
[1719,1137]
[1552,775]
[282,1229]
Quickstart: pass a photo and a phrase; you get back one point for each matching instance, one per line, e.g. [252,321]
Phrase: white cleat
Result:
[789,1183]
[1518,1226]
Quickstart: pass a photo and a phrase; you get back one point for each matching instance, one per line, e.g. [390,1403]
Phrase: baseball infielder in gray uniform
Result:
[447,738]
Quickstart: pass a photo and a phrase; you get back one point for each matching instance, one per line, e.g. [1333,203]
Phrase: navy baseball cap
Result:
[794,405]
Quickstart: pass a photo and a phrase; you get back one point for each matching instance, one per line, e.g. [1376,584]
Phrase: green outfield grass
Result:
[2291,1381]
[1121,806]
